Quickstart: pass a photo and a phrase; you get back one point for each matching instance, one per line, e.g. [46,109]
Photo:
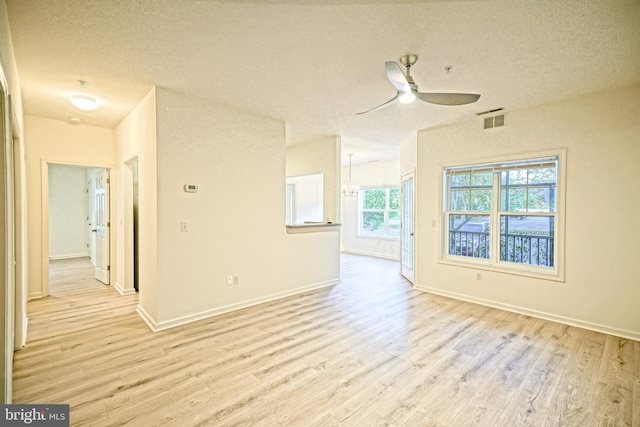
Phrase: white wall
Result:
[319,156]
[136,139]
[53,141]
[308,198]
[384,173]
[236,219]
[601,135]
[68,212]
[408,153]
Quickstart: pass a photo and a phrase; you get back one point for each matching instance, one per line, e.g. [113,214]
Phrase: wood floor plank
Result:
[572,402]
[636,358]
[370,351]
[635,417]
[528,405]
[614,390]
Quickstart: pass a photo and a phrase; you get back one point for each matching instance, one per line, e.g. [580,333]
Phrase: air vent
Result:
[494,122]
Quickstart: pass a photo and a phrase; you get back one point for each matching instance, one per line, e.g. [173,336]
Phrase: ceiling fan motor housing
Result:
[409,60]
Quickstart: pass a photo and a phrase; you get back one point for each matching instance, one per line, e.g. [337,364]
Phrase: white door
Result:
[101,225]
[407,234]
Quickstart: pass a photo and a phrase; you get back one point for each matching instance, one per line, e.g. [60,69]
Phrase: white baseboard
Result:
[371,254]
[183,320]
[25,329]
[147,319]
[122,291]
[69,256]
[623,333]
[34,295]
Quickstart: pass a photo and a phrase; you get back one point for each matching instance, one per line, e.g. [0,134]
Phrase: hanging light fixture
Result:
[350,189]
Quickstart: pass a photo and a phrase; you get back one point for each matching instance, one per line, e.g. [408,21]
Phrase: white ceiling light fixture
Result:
[350,189]
[406,98]
[84,102]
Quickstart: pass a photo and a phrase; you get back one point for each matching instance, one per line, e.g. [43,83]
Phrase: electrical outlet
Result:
[233,280]
[478,275]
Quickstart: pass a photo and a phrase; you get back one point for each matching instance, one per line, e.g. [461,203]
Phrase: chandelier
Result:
[350,189]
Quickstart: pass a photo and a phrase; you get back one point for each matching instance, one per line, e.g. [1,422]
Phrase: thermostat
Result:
[190,188]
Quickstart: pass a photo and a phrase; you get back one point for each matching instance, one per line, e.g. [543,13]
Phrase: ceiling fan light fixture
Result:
[84,102]
[406,98]
[408,89]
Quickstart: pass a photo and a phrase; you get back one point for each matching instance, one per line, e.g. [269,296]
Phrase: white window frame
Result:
[363,233]
[556,272]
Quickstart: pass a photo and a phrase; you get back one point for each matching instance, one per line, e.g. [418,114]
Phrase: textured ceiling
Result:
[314,64]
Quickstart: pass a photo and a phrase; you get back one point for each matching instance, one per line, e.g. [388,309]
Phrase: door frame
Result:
[20,232]
[409,175]
[7,250]
[44,220]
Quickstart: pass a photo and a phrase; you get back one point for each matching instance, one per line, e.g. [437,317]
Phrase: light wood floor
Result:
[370,351]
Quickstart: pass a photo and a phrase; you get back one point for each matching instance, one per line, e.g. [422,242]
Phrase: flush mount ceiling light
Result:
[84,102]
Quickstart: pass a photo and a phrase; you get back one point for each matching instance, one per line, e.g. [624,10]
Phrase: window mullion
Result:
[385,214]
[495,220]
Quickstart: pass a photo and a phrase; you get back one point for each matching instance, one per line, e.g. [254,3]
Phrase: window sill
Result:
[369,236]
[550,274]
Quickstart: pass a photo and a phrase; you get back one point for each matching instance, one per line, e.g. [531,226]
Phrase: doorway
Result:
[132,164]
[77,217]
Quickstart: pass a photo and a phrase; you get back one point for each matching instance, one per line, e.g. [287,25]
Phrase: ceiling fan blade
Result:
[389,102]
[448,98]
[396,76]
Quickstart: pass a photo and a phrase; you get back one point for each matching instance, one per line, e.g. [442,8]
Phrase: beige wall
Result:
[7,59]
[136,140]
[320,156]
[68,212]
[384,173]
[54,141]
[408,153]
[236,219]
[601,135]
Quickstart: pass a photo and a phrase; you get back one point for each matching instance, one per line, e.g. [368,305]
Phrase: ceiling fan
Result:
[408,89]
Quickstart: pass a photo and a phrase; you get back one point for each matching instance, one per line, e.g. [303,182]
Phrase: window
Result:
[379,212]
[503,215]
